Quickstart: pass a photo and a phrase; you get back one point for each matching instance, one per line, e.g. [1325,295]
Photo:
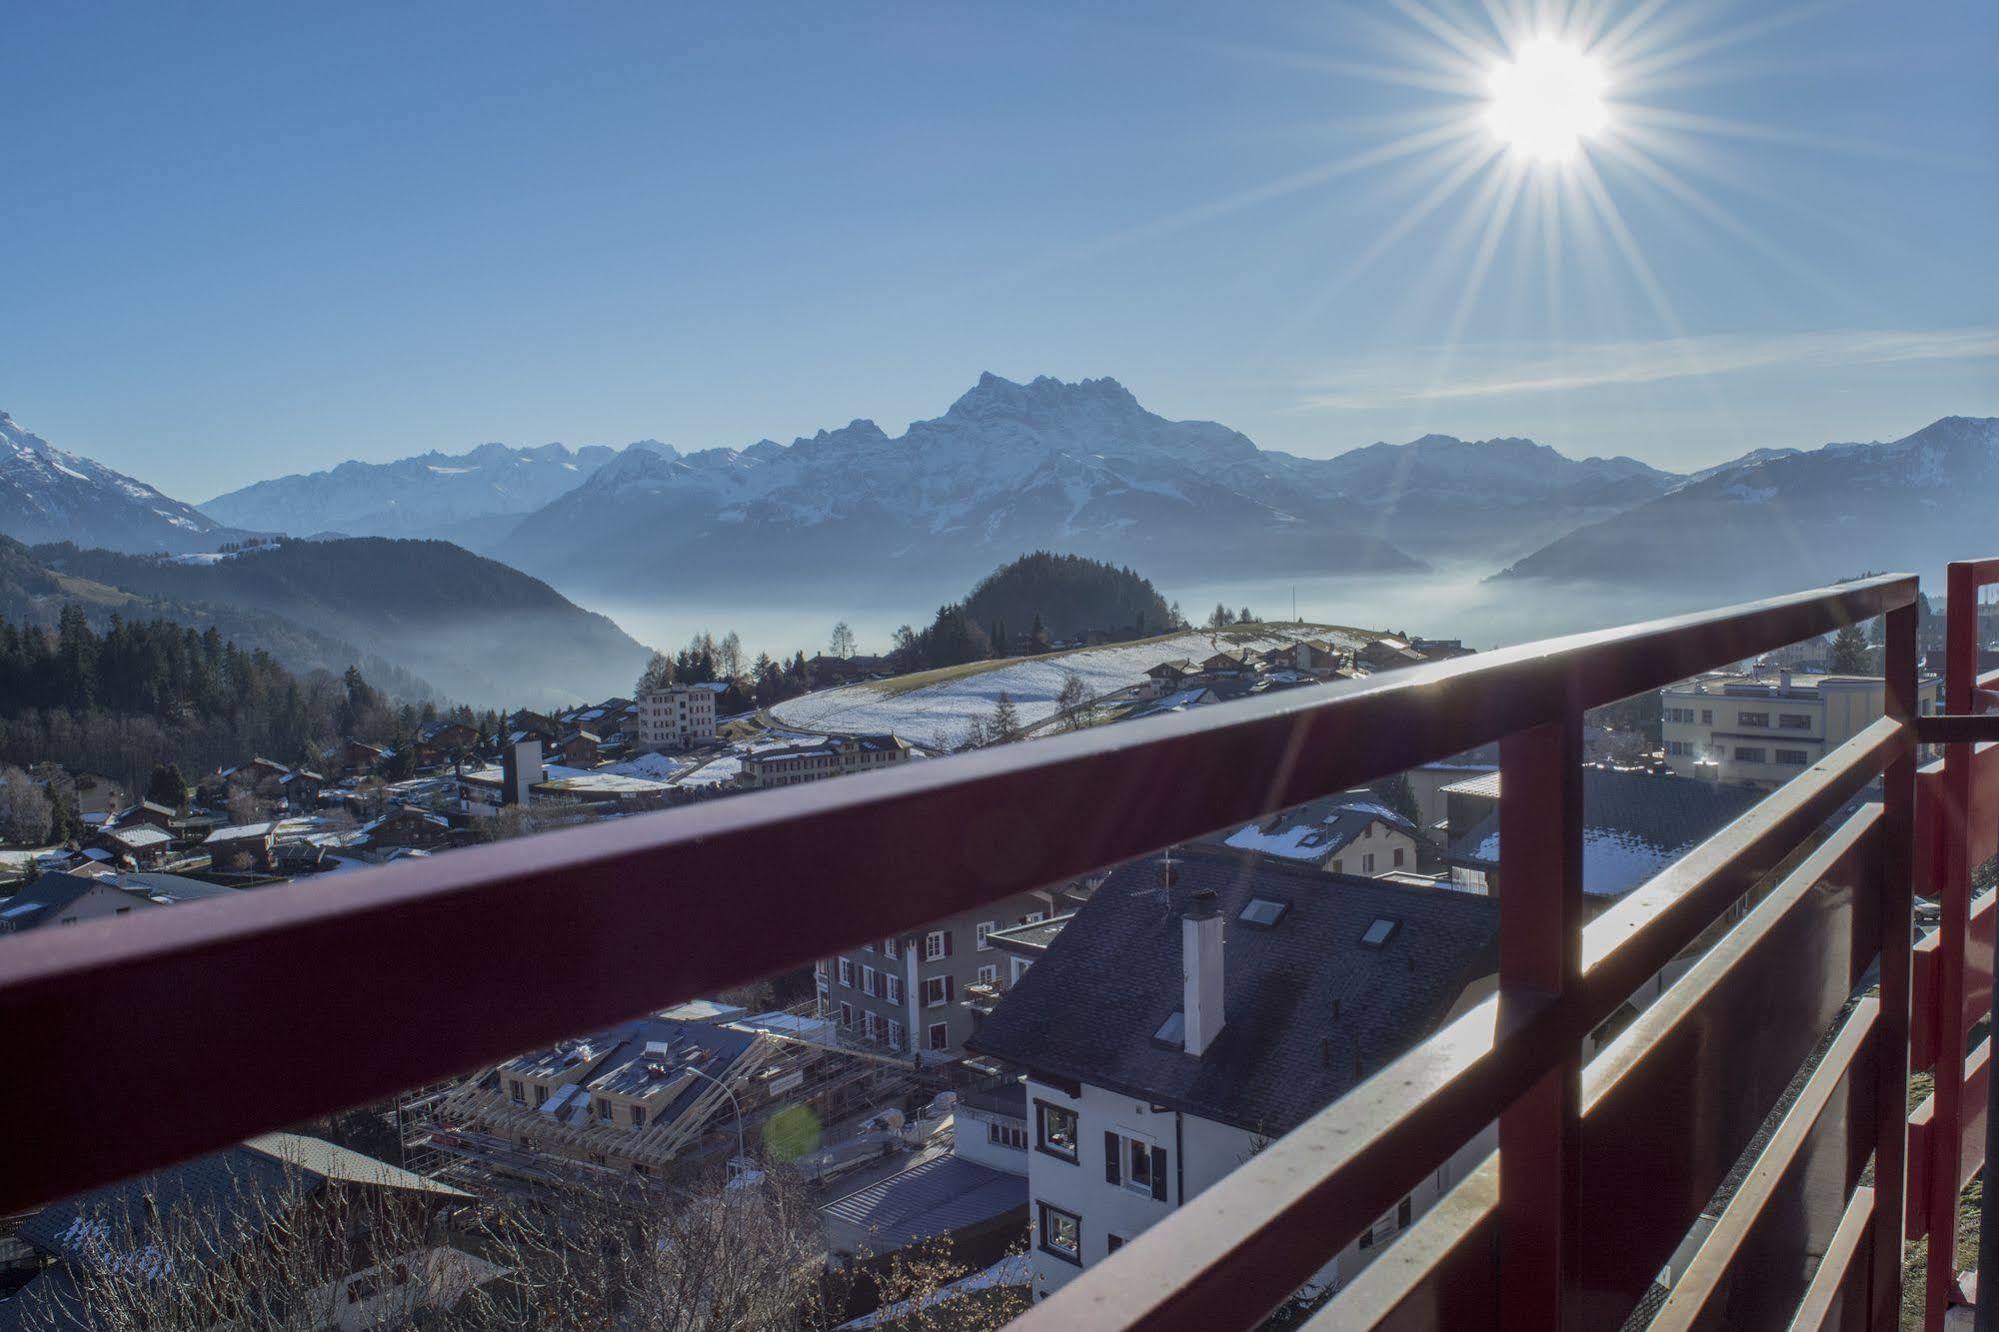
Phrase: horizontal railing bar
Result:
[1387,1284]
[1239,1249]
[302,997]
[1816,1311]
[1958,729]
[1642,932]
[1385,1288]
[1714,1260]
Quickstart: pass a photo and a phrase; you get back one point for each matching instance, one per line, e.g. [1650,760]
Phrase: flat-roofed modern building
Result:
[1763,729]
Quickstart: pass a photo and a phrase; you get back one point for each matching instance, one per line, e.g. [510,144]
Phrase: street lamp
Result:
[741,1154]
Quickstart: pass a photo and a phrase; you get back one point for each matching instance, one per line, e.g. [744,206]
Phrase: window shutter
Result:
[947,943]
[1111,1145]
[1159,1173]
[950,989]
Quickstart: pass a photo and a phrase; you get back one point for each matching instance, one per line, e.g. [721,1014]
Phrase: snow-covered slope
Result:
[49,495]
[470,498]
[1787,520]
[1080,468]
[937,710]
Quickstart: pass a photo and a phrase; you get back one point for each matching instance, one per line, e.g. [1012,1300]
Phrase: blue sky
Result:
[243,240]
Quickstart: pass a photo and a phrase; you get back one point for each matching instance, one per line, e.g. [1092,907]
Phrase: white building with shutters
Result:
[1194,1011]
[676,716]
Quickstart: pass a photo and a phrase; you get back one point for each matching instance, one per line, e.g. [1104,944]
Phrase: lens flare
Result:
[1546,100]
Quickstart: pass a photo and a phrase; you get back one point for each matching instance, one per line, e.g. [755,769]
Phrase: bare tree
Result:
[729,656]
[1071,700]
[273,1248]
[658,674]
[24,809]
[1220,617]
[843,640]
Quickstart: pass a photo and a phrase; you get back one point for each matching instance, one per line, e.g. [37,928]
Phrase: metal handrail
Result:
[662,907]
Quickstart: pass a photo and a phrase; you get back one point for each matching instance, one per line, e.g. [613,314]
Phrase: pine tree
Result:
[1849,652]
[1004,725]
[167,787]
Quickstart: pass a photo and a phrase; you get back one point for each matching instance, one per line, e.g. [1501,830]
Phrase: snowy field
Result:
[925,713]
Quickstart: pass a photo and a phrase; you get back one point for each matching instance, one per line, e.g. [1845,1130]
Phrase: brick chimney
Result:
[1201,973]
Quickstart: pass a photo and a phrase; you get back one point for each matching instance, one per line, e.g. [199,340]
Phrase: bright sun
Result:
[1546,100]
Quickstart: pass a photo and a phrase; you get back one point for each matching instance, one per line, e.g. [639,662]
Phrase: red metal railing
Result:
[1958,813]
[160,1036]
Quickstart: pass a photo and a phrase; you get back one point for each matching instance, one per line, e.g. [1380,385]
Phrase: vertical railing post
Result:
[1896,889]
[1540,956]
[1954,923]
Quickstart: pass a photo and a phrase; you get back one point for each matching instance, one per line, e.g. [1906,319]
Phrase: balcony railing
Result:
[133,1043]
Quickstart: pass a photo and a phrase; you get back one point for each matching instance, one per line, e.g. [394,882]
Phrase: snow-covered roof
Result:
[241,831]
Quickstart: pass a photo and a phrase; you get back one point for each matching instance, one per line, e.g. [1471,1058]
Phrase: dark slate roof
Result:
[175,887]
[44,897]
[937,1197]
[1634,824]
[1310,1011]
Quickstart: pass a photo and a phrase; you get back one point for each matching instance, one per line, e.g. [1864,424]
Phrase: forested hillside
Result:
[1069,595]
[147,693]
[473,627]
[32,593]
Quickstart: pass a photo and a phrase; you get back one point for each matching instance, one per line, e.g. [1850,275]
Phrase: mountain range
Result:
[1785,519]
[471,498]
[1075,467]
[49,495]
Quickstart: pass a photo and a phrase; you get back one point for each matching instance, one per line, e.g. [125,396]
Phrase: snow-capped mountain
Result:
[1081,468]
[470,498]
[1783,519]
[49,495]
[1485,501]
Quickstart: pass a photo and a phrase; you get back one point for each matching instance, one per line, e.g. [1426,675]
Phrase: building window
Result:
[893,989]
[638,1116]
[1136,1164]
[868,981]
[540,1095]
[938,991]
[868,1027]
[1011,1136]
[1793,758]
[1794,721]
[1061,1234]
[1752,719]
[1685,716]
[894,1034]
[1367,863]
[1339,867]
[1751,754]
[982,929]
[889,948]
[1398,857]
[936,944]
[1112,1243]
[518,1091]
[940,1036]
[604,1110]
[846,973]
[1707,716]
[989,974]
[846,1015]
[819,971]
[1055,1130]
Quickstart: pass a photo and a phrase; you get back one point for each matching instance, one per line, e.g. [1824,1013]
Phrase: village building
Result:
[134,845]
[56,899]
[243,847]
[676,716]
[1762,728]
[406,826]
[1388,654]
[352,758]
[925,993]
[816,760]
[580,749]
[147,812]
[1339,835]
[627,1100]
[1635,823]
[1192,1011]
